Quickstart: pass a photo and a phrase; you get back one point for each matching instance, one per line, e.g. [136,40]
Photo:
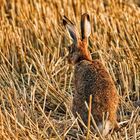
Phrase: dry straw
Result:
[35,80]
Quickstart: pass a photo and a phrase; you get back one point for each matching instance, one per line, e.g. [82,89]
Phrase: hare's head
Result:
[79,49]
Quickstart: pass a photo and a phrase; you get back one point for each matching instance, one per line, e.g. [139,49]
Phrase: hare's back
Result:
[91,77]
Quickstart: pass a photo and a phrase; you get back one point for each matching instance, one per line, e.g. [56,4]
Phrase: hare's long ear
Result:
[85,26]
[71,29]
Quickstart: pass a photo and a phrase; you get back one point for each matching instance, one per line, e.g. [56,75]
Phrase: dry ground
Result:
[36,81]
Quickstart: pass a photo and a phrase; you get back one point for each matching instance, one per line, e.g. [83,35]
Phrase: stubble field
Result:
[36,87]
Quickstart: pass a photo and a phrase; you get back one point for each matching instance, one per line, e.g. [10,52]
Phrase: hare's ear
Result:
[71,29]
[85,26]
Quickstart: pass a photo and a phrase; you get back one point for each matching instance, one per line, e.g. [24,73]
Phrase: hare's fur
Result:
[91,78]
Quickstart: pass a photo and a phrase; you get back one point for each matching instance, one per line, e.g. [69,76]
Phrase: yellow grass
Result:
[35,79]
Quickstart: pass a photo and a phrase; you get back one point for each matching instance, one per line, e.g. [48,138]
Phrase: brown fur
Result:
[91,78]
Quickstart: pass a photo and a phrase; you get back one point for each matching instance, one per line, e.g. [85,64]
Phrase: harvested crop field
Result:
[36,81]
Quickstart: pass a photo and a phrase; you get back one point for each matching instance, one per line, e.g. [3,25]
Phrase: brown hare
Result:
[91,78]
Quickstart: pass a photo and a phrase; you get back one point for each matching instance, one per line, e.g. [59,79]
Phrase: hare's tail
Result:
[108,127]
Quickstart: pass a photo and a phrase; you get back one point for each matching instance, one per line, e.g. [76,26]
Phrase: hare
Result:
[91,78]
